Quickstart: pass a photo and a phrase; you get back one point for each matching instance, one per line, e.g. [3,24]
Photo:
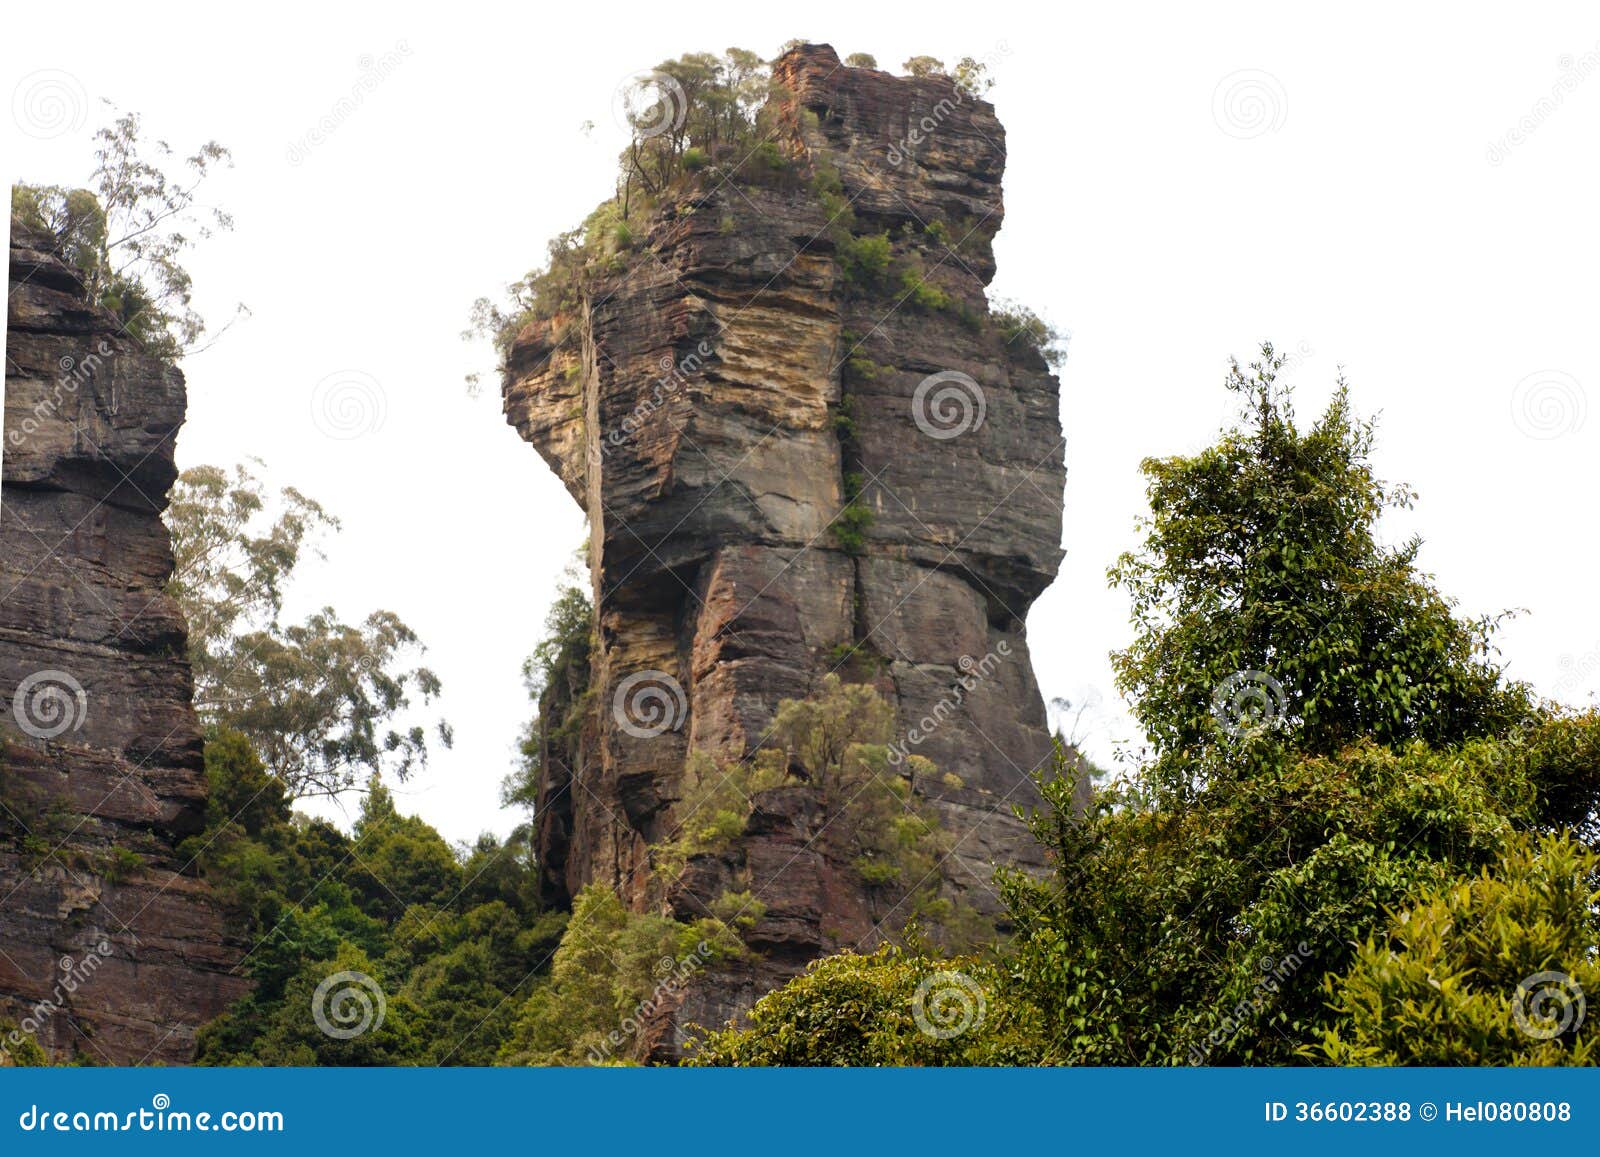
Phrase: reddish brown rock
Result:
[106,949]
[692,406]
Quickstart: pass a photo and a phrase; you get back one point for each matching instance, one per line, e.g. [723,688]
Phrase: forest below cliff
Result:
[1347,838]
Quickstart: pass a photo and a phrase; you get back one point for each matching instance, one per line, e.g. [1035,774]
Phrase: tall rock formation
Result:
[714,407]
[106,949]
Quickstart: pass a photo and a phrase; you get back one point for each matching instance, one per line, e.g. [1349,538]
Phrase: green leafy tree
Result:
[611,969]
[318,700]
[559,661]
[1262,582]
[924,66]
[452,939]
[128,233]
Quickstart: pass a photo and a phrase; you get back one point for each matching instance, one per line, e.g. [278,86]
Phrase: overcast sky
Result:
[1410,197]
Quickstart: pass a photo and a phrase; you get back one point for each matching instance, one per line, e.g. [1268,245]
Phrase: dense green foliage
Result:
[452,938]
[1261,560]
[606,974]
[862,1010]
[1431,989]
[320,699]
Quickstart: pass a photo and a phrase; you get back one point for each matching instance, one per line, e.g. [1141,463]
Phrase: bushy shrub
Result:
[1492,969]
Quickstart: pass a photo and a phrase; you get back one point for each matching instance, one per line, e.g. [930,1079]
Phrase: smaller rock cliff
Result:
[106,949]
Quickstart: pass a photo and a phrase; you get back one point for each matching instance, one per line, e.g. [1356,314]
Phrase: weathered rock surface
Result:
[693,406]
[95,791]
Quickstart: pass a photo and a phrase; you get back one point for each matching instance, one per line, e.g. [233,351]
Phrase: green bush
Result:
[1488,970]
[864,1010]
[865,260]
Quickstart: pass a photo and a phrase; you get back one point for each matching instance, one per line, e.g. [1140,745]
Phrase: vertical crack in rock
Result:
[691,405]
[96,788]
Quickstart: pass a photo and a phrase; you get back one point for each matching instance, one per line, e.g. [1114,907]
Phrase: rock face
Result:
[714,408]
[106,950]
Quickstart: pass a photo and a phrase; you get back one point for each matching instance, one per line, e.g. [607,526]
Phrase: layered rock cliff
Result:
[788,473]
[106,950]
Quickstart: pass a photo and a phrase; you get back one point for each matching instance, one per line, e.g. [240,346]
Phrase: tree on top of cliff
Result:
[684,116]
[127,233]
[1262,590]
[319,699]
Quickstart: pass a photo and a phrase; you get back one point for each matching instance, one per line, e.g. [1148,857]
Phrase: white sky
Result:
[1365,226]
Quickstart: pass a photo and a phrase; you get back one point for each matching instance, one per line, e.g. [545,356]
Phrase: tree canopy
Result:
[320,700]
[127,233]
